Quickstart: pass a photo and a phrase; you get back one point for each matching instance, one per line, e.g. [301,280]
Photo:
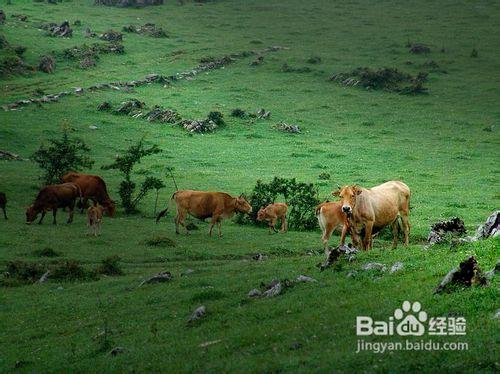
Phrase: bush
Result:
[240,113]
[110,266]
[23,272]
[217,118]
[71,270]
[302,199]
[46,252]
[125,163]
[61,156]
[160,241]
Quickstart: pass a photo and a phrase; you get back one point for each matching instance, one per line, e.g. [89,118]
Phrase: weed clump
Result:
[110,266]
[285,68]
[314,60]
[324,176]
[71,270]
[160,241]
[46,252]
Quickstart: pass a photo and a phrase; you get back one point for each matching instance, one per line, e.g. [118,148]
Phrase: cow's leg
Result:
[344,234]
[4,213]
[406,228]
[54,212]
[395,232]
[219,226]
[83,204]
[367,242]
[326,236]
[284,228]
[272,223]
[41,218]
[70,216]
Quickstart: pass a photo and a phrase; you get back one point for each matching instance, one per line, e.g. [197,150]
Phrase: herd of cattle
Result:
[360,212]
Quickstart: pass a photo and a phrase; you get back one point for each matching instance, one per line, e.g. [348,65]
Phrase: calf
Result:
[94,219]
[272,213]
[3,203]
[202,205]
[331,217]
[53,197]
[371,209]
[93,187]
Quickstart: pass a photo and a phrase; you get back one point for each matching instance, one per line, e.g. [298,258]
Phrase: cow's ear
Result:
[336,193]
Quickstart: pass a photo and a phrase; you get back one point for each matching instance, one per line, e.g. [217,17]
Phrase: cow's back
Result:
[90,185]
[57,195]
[201,204]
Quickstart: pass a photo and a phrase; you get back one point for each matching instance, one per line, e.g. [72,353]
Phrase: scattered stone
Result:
[348,251]
[162,277]
[148,29]
[282,126]
[198,126]
[20,17]
[6,155]
[295,345]
[187,272]
[206,344]
[111,36]
[305,278]
[53,29]
[418,48]
[87,62]
[466,274]
[396,267]
[158,114]
[93,127]
[263,114]
[490,229]
[89,33]
[129,106]
[44,277]
[116,351]
[105,105]
[259,257]
[274,289]
[47,64]
[442,230]
[258,60]
[198,313]
[79,90]
[374,266]
[255,293]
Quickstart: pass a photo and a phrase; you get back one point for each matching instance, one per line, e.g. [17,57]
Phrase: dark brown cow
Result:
[93,187]
[3,203]
[370,210]
[272,213]
[330,217]
[202,205]
[53,197]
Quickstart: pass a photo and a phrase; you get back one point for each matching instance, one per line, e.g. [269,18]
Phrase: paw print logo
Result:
[410,325]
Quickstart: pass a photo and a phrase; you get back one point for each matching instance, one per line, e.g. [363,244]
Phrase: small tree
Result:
[61,156]
[125,164]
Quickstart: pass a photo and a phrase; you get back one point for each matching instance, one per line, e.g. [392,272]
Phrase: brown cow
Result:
[331,217]
[202,205]
[93,187]
[272,213]
[53,197]
[94,219]
[369,210]
[3,203]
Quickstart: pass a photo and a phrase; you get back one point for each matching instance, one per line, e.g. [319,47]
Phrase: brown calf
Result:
[272,213]
[93,187]
[3,203]
[331,217]
[53,197]
[202,205]
[369,210]
[94,219]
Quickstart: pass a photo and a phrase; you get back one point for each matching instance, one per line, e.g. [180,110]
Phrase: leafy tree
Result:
[125,164]
[61,156]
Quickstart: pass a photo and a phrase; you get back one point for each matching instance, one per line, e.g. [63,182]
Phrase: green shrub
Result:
[160,241]
[46,252]
[71,270]
[110,266]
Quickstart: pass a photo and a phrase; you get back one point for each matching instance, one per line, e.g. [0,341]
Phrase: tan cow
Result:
[330,218]
[94,219]
[202,205]
[370,210]
[272,213]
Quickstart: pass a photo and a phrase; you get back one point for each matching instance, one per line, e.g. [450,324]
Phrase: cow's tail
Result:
[165,211]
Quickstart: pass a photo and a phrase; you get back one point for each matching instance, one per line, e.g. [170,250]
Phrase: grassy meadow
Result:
[444,145]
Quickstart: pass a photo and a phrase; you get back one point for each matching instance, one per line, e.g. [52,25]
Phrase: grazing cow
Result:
[330,217]
[202,205]
[94,219]
[93,187]
[3,203]
[272,213]
[53,197]
[369,210]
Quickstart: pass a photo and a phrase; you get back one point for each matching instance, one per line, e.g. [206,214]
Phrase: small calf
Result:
[94,219]
[272,213]
[3,203]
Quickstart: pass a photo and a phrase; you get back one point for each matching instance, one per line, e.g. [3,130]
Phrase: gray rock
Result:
[198,313]
[159,278]
[397,266]
[116,351]
[305,278]
[273,291]
[44,277]
[497,314]
[374,266]
[93,127]
[255,293]
[352,274]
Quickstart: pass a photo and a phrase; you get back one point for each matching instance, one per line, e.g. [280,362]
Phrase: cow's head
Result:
[242,205]
[348,195]
[261,214]
[31,214]
[110,207]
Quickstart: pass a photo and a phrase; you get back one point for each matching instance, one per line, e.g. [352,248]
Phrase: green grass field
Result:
[436,143]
